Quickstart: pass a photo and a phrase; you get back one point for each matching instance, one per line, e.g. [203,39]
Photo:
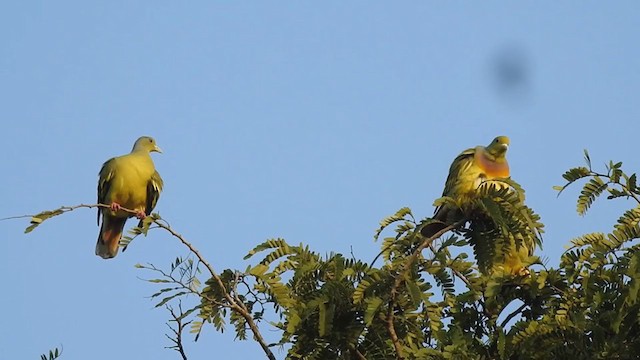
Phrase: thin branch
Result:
[16,217]
[182,285]
[412,221]
[235,303]
[512,315]
[178,331]
[392,331]
[387,247]
[359,355]
[164,225]
[65,209]
[457,273]
[260,300]
[399,278]
[607,176]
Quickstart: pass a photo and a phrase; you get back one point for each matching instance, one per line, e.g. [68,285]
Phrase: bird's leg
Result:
[141,215]
[115,206]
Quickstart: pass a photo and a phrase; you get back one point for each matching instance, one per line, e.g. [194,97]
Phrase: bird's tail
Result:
[109,237]
[438,223]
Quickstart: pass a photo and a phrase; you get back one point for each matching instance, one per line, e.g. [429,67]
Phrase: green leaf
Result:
[358,294]
[590,191]
[259,270]
[632,183]
[414,292]
[398,216]
[293,320]
[325,317]
[53,354]
[587,159]
[39,218]
[373,304]
[501,343]
[159,281]
[169,298]
[576,173]
[165,290]
[269,244]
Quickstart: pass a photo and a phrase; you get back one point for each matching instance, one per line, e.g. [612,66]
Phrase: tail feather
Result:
[439,222]
[432,228]
[109,237]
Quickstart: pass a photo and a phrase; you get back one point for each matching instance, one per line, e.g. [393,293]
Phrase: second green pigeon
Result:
[467,172]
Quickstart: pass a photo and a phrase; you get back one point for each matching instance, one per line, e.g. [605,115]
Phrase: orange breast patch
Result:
[491,168]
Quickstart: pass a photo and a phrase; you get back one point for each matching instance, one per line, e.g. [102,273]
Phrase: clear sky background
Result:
[308,121]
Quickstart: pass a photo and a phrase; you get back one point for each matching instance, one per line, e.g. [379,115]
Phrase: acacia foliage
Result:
[428,298]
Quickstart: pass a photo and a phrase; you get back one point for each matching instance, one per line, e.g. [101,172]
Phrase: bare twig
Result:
[177,331]
[512,315]
[164,225]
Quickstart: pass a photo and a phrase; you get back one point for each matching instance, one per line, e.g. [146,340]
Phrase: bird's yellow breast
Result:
[129,184]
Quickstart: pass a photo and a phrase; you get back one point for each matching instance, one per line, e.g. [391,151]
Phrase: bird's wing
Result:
[104,182]
[460,165]
[154,187]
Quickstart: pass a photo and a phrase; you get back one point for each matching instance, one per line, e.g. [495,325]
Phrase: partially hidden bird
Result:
[468,171]
[131,182]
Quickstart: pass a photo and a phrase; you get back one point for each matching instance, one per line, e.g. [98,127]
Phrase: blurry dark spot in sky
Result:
[510,72]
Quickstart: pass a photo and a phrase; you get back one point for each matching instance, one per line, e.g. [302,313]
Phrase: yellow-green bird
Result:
[467,172]
[129,181]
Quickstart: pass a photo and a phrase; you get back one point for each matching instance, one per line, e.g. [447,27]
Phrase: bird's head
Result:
[498,146]
[146,143]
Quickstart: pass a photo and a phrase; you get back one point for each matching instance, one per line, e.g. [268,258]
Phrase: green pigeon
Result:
[470,169]
[129,181]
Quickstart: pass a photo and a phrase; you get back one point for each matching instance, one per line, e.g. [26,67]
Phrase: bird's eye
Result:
[150,140]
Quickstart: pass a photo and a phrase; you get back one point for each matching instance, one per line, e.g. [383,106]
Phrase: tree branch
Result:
[235,303]
[457,273]
[400,277]
[629,191]
[178,331]
[359,355]
[512,315]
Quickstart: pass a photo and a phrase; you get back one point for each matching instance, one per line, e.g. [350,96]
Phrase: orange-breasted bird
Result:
[468,171]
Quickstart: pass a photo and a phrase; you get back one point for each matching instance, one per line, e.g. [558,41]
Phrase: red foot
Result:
[115,206]
[141,215]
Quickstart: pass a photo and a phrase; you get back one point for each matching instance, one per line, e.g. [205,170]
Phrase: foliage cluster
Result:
[425,298]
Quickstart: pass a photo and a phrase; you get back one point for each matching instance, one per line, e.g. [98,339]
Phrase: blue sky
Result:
[298,120]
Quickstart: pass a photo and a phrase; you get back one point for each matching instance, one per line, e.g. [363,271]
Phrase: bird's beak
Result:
[505,147]
[156,148]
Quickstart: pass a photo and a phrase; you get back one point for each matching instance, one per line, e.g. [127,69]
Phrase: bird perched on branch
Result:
[131,182]
[469,169]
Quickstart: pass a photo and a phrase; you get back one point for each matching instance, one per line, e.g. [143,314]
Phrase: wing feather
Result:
[104,182]
[459,166]
[154,187]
